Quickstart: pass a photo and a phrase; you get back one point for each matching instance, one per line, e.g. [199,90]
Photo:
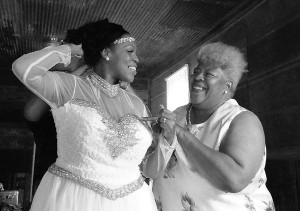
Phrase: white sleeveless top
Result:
[179,188]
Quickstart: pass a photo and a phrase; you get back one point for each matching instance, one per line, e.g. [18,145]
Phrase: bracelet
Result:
[67,44]
[65,57]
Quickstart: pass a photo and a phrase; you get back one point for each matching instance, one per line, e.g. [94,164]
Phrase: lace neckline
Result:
[100,83]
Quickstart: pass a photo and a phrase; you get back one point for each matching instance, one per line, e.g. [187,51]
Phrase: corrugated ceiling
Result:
[166,30]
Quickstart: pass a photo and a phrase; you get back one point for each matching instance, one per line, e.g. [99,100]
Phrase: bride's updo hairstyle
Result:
[95,37]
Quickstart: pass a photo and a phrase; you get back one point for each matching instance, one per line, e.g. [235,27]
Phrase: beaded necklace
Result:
[189,123]
[100,83]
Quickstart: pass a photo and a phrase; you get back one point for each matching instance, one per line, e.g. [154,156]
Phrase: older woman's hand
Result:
[168,124]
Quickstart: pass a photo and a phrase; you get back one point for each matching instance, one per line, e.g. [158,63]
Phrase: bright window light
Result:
[178,88]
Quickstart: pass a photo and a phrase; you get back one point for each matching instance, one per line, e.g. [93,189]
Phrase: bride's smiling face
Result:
[123,60]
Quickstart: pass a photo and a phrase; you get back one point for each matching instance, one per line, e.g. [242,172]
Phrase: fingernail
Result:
[161,106]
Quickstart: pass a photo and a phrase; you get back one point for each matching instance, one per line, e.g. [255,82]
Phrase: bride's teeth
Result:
[132,68]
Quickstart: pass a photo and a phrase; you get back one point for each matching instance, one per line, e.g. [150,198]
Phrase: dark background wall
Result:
[269,37]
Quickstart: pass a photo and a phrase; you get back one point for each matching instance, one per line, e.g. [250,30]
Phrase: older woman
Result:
[211,153]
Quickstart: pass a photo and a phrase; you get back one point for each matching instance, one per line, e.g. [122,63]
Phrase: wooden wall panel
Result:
[277,48]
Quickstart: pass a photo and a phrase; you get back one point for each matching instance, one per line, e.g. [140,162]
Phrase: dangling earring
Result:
[107,58]
[225,92]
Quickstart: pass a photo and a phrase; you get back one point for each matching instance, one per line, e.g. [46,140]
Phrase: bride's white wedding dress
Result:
[100,139]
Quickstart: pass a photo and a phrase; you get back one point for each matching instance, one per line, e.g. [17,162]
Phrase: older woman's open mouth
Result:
[198,88]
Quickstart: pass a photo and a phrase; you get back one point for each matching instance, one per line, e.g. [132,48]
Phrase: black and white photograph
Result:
[149,105]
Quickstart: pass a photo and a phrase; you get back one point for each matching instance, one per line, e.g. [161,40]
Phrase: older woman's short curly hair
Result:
[228,58]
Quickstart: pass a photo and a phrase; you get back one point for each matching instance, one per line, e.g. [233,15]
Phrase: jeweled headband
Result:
[124,39]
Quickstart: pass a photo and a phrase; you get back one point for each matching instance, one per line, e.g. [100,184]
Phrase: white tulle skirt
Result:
[60,194]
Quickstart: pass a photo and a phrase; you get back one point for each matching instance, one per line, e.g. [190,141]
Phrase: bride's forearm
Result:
[36,63]
[157,160]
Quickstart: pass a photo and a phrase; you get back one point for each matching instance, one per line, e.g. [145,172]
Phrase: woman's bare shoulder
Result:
[245,118]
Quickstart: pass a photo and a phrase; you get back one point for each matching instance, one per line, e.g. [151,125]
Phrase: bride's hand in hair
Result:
[76,50]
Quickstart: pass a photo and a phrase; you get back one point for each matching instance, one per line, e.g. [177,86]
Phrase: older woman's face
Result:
[207,86]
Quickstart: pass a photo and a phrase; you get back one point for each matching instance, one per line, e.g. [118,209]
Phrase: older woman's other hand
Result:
[168,124]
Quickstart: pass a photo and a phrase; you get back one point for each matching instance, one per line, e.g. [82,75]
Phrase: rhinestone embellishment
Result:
[111,194]
[122,137]
[100,83]
[119,135]
[124,39]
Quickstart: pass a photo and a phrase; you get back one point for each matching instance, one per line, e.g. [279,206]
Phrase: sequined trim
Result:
[104,114]
[111,194]
[100,83]
[120,134]
[106,117]
[124,39]
[124,138]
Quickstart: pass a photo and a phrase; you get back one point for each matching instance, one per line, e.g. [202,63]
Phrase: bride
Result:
[101,140]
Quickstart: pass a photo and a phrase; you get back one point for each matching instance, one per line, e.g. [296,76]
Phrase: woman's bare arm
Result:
[238,159]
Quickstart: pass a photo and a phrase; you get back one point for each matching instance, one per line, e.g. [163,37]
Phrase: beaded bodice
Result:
[96,146]
[99,136]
